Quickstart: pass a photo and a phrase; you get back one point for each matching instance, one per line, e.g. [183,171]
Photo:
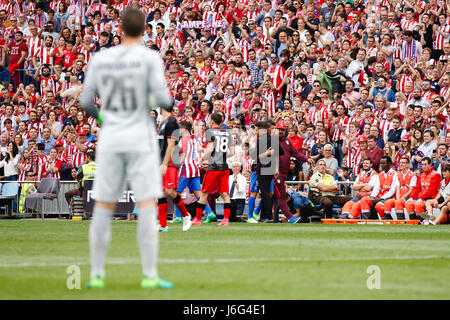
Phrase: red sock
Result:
[180,205]
[226,210]
[199,211]
[162,213]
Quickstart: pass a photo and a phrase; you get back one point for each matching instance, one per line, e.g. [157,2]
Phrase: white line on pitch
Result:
[116,261]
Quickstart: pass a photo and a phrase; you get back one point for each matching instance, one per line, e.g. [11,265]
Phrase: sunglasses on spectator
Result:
[296,35]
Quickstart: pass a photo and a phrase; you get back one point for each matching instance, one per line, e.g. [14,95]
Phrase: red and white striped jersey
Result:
[11,31]
[27,166]
[392,25]
[269,101]
[408,24]
[54,5]
[7,6]
[264,40]
[48,83]
[233,79]
[45,55]
[87,53]
[175,42]
[372,52]
[40,20]
[338,134]
[318,115]
[34,43]
[252,15]
[210,16]
[247,82]
[147,10]
[443,92]
[244,45]
[429,95]
[62,156]
[397,44]
[38,125]
[227,106]
[78,157]
[385,126]
[40,167]
[276,74]
[190,168]
[379,113]
[18,8]
[203,73]
[120,6]
[354,159]
[438,43]
[58,164]
[404,78]
[176,10]
[247,162]
[244,2]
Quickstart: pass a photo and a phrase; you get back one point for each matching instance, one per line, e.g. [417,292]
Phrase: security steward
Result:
[87,171]
[324,189]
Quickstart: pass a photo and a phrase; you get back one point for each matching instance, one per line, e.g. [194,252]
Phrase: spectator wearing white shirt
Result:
[238,191]
[356,66]
[9,162]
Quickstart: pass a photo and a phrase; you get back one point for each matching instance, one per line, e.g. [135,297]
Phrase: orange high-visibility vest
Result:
[405,182]
[385,182]
[364,177]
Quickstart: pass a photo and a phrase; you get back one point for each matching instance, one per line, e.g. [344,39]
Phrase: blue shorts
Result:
[254,185]
[192,183]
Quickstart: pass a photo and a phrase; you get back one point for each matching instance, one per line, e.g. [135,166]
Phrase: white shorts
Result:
[115,169]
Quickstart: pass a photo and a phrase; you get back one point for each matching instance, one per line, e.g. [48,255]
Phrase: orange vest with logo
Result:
[364,177]
[385,182]
[405,182]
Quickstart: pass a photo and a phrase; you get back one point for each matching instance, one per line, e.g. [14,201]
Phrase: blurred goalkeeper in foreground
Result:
[125,77]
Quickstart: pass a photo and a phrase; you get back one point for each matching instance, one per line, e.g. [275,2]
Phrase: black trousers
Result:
[264,187]
[236,209]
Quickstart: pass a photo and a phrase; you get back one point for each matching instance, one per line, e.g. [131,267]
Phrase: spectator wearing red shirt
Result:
[374,152]
[293,137]
[69,56]
[233,13]
[18,51]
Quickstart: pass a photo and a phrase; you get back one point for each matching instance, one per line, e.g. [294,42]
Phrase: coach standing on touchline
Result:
[283,168]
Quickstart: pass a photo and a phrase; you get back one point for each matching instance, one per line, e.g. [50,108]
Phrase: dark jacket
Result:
[287,150]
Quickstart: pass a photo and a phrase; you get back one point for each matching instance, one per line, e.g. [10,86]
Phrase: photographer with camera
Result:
[49,30]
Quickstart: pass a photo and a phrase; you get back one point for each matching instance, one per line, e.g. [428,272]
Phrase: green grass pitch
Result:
[242,261]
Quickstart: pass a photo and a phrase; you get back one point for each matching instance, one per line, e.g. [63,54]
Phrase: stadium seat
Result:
[48,189]
[8,195]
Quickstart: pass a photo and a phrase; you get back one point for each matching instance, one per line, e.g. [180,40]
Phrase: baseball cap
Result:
[362,139]
[406,137]
[281,125]
[59,143]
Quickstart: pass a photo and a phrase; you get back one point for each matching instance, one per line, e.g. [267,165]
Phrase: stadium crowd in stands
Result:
[343,81]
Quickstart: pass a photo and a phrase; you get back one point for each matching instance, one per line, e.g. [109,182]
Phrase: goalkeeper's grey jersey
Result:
[125,78]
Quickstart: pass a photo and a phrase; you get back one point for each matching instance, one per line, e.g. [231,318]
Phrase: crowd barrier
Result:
[24,76]
[50,207]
